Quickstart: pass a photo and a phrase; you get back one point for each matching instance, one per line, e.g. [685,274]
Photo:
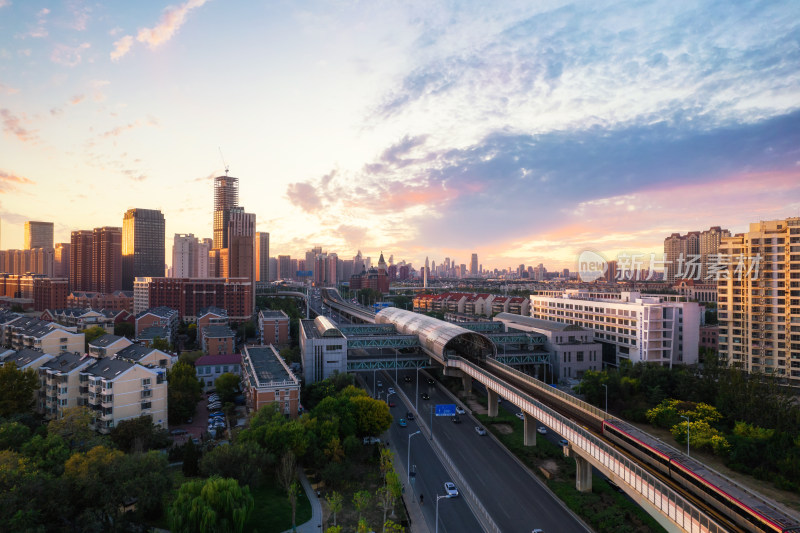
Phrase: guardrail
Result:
[662,497]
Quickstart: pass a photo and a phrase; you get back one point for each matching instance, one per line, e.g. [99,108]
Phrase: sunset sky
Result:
[523,131]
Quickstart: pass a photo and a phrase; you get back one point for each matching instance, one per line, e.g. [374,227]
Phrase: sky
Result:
[524,131]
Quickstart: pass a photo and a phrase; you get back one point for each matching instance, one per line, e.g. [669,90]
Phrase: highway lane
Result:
[515,500]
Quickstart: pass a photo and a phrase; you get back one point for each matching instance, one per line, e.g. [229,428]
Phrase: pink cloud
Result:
[8,181]
[121,47]
[69,56]
[12,125]
[170,22]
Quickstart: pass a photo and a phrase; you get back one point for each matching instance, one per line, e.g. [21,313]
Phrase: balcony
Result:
[107,401]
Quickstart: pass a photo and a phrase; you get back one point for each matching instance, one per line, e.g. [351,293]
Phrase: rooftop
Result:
[218,332]
[109,368]
[547,325]
[24,357]
[221,359]
[212,311]
[153,332]
[106,340]
[135,352]
[266,366]
[269,313]
[161,311]
[67,362]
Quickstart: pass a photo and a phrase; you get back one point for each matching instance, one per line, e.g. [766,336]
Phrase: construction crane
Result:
[224,164]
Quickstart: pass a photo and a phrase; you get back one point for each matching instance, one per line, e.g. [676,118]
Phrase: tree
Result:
[335,501]
[92,333]
[183,393]
[372,416]
[292,493]
[75,427]
[17,388]
[13,435]
[243,461]
[389,493]
[361,502]
[162,344]
[216,504]
[191,333]
[191,459]
[227,386]
[124,329]
[139,434]
[48,453]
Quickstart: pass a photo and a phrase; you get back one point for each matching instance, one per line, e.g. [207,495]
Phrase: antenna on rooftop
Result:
[224,164]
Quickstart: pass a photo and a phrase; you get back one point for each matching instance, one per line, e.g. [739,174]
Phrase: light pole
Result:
[606,387]
[416,395]
[395,367]
[437,509]
[408,457]
[687,433]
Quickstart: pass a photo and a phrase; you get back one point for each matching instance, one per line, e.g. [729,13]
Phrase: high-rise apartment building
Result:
[226,197]
[262,256]
[38,235]
[473,267]
[759,299]
[61,260]
[708,246]
[241,244]
[284,267]
[107,259]
[190,256]
[80,269]
[273,268]
[142,245]
[687,256]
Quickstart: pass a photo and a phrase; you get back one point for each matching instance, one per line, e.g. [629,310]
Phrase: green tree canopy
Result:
[216,505]
[183,393]
[227,386]
[17,388]
[124,329]
[162,344]
[244,461]
[139,434]
[75,427]
[13,435]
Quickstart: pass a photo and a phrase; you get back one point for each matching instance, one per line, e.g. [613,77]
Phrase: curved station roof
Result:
[437,336]
[326,327]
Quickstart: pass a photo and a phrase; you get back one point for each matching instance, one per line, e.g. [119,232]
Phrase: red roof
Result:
[222,359]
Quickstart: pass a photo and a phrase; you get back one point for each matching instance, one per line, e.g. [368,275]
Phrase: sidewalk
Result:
[313,525]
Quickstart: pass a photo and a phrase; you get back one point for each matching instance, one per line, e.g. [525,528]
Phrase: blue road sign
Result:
[445,409]
[304,273]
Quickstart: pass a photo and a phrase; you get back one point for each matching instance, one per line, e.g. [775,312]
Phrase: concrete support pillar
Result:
[529,430]
[493,404]
[583,474]
[466,382]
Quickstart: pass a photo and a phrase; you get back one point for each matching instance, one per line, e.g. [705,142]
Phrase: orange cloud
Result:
[171,21]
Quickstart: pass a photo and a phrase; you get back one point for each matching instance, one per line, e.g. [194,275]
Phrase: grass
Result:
[604,509]
[272,512]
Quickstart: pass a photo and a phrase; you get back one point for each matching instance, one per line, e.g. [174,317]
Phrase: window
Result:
[216,369]
[225,368]
[579,357]
[145,382]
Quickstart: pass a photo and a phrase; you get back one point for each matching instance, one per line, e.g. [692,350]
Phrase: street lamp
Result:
[437,509]
[408,457]
[606,387]
[687,433]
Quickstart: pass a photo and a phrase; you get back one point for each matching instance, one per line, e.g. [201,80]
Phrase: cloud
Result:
[207,178]
[119,130]
[171,21]
[304,195]
[5,3]
[354,236]
[77,99]
[8,181]
[80,14]
[69,56]
[39,30]
[121,47]
[12,125]
[8,89]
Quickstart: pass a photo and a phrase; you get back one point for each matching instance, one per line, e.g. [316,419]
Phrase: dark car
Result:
[392,404]
[410,415]
[425,396]
[431,381]
[456,419]
[407,379]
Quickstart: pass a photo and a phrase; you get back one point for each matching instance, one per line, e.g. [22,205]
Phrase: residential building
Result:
[25,358]
[284,267]
[142,245]
[262,256]
[147,356]
[60,380]
[273,327]
[81,318]
[217,340]
[211,316]
[38,235]
[161,316]
[226,197]
[40,335]
[210,367]
[709,337]
[190,296]
[759,299]
[148,336]
[630,326]
[323,349]
[80,269]
[107,346]
[106,260]
[703,292]
[99,300]
[119,390]
[689,256]
[267,380]
[572,348]
[61,260]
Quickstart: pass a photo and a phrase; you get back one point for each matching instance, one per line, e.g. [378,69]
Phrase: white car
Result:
[450,489]
[520,415]
[390,390]
[542,430]
[480,431]
[460,411]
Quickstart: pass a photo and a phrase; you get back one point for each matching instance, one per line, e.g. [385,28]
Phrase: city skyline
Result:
[560,128]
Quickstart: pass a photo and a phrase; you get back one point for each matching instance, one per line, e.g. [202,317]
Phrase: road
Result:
[514,499]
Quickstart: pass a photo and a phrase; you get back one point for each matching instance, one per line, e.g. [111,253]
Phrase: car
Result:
[213,406]
[390,390]
[213,395]
[430,381]
[425,396]
[450,489]
[371,440]
[542,430]
[407,379]
[217,413]
[402,423]
[480,431]
[456,419]
[219,423]
[460,411]
[178,431]
[563,442]
[196,441]
[392,404]
[410,415]
[520,415]
[538,531]
[379,384]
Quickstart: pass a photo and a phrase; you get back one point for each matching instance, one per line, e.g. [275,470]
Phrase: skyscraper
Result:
[241,244]
[262,256]
[226,197]
[80,260]
[473,267]
[107,259]
[142,245]
[285,267]
[62,260]
[38,235]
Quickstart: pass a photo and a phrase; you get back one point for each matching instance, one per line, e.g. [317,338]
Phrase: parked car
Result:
[178,431]
[371,440]
[480,431]
[542,430]
[379,384]
[392,404]
[217,413]
[460,411]
[213,406]
[450,489]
